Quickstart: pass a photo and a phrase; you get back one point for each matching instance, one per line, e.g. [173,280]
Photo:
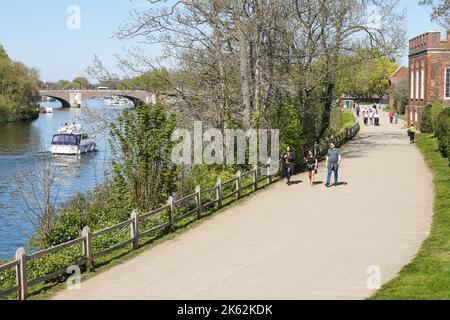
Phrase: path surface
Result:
[294,242]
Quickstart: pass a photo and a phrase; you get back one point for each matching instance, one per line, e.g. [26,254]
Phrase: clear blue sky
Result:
[35,33]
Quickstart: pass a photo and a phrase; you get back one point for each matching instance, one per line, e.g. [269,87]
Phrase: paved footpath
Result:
[294,242]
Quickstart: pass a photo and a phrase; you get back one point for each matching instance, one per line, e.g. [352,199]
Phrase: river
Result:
[24,151]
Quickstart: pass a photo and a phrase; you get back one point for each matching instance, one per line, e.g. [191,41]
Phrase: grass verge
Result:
[428,276]
[348,120]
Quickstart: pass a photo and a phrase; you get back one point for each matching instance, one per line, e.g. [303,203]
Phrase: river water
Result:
[24,153]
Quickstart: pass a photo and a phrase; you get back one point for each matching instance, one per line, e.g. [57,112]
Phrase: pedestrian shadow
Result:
[339,184]
[295,182]
[317,183]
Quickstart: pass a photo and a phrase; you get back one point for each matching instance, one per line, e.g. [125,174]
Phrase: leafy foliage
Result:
[142,170]
[426,125]
[442,131]
[287,120]
[365,77]
[19,87]
[430,116]
[153,81]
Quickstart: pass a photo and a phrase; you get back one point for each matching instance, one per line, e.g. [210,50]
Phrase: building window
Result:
[417,84]
[416,117]
[412,84]
[422,87]
[447,83]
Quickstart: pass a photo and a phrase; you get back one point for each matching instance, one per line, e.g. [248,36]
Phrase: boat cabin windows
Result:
[66,140]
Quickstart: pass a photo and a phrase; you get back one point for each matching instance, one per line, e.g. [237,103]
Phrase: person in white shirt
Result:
[376,117]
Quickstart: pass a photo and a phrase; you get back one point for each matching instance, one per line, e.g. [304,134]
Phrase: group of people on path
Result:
[334,156]
[371,116]
[333,162]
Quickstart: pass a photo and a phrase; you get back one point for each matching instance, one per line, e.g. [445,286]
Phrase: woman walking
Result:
[288,162]
[313,165]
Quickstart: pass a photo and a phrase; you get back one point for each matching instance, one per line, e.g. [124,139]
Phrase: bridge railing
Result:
[192,205]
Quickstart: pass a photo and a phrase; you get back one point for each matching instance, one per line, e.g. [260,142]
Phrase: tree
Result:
[142,168]
[401,95]
[440,11]
[368,76]
[236,60]
[38,189]
[82,82]
[3,54]
[151,81]
[19,87]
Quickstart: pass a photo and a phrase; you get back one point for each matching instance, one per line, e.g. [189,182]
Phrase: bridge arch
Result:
[64,101]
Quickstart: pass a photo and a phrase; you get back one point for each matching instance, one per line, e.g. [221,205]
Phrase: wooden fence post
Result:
[22,275]
[172,212]
[239,184]
[269,170]
[87,247]
[198,199]
[134,229]
[219,193]
[255,177]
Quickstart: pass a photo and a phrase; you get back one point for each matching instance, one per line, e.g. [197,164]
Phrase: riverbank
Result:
[428,276]
[9,114]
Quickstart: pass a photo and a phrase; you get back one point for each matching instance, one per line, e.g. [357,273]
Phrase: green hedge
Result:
[430,117]
[442,131]
[426,124]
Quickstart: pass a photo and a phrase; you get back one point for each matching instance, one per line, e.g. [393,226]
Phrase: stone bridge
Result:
[74,98]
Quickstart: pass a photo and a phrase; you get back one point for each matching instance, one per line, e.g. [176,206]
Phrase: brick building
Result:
[429,72]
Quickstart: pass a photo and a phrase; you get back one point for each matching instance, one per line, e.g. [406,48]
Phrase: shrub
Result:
[426,125]
[435,111]
[141,147]
[443,131]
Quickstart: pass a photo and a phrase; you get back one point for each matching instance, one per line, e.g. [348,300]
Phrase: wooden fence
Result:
[259,174]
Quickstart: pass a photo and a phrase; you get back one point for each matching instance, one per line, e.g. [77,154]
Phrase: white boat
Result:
[48,110]
[71,140]
[115,101]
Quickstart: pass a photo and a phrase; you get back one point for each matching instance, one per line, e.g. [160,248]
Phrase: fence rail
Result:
[22,258]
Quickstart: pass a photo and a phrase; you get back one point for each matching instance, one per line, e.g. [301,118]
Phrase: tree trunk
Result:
[243,65]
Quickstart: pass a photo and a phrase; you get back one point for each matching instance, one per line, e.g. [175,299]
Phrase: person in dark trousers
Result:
[288,162]
[313,165]
[376,117]
[412,133]
[333,162]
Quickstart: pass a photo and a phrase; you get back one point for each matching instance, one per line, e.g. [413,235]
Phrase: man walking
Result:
[333,162]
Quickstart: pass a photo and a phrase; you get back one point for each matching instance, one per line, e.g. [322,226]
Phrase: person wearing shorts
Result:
[312,163]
